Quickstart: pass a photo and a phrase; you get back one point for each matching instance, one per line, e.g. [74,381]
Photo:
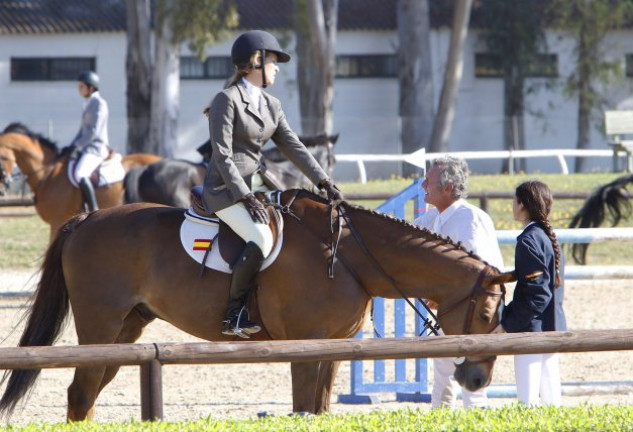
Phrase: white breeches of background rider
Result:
[240,221]
[87,163]
[538,379]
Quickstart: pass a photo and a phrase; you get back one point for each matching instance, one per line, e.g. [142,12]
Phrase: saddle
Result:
[109,171]
[213,243]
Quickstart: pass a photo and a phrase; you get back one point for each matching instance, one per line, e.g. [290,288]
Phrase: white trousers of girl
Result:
[538,379]
[240,221]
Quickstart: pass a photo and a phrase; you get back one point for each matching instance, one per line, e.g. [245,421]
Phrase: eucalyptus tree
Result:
[315,29]
[415,76]
[154,77]
[514,35]
[589,22]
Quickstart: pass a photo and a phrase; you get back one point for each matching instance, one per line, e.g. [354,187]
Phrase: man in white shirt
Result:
[445,185]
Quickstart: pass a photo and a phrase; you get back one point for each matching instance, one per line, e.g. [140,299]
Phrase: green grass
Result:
[507,419]
[24,239]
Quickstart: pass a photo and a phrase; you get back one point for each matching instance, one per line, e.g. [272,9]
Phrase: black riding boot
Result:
[88,194]
[236,322]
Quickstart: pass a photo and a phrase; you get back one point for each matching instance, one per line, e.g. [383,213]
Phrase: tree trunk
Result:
[138,71]
[415,78]
[585,93]
[513,125]
[452,78]
[316,38]
[165,91]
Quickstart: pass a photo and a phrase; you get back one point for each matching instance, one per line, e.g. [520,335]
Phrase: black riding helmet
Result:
[89,78]
[256,40]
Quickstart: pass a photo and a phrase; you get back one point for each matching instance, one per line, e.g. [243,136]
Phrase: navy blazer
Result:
[537,305]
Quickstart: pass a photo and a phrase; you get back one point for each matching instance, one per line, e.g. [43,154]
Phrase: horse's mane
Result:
[21,128]
[426,233]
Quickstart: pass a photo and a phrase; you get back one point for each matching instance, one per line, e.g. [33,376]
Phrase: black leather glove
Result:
[256,209]
[333,193]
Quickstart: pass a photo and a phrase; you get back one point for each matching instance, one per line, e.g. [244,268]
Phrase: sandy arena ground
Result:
[242,391]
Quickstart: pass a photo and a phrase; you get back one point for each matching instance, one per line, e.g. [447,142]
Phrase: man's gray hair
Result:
[453,171]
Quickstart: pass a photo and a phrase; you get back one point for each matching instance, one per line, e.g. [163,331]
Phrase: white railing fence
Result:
[420,157]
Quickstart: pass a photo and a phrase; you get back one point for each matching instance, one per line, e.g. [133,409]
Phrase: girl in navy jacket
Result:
[538,295]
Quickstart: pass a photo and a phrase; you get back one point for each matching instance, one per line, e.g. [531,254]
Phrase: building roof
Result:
[81,16]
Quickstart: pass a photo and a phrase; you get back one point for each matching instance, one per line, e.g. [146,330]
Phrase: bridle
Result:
[5,177]
[477,290]
[336,225]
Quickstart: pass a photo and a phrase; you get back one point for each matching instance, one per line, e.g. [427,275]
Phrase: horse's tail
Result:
[612,198]
[131,181]
[45,317]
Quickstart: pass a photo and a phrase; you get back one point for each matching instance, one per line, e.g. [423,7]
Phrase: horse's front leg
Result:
[305,376]
[327,374]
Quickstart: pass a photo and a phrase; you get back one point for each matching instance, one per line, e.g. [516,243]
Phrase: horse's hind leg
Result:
[89,381]
[327,374]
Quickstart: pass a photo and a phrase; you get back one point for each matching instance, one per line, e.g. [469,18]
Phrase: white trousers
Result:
[240,221]
[538,379]
[86,165]
[445,388]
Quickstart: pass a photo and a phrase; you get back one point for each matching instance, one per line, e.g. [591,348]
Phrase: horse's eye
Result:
[484,316]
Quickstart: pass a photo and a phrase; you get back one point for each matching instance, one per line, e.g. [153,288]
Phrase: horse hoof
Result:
[263,414]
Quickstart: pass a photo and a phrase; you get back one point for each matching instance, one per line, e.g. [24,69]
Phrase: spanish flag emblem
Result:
[202,244]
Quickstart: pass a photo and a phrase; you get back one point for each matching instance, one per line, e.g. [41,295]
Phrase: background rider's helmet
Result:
[257,40]
[89,78]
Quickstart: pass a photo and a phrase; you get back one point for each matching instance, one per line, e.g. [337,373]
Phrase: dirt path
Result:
[241,391]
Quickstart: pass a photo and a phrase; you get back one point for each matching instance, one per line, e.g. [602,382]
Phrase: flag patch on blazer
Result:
[202,244]
[534,275]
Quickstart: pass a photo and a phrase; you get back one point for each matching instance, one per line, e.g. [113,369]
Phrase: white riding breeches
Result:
[86,165]
[538,379]
[240,221]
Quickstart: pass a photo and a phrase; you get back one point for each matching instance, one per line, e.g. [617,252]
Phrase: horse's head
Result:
[482,310]
[7,165]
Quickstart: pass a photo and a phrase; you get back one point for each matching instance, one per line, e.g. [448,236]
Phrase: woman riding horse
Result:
[241,119]
[92,139]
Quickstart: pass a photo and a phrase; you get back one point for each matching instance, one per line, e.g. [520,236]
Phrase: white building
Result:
[44,42]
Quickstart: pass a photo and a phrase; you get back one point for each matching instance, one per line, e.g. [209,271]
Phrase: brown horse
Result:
[44,166]
[121,268]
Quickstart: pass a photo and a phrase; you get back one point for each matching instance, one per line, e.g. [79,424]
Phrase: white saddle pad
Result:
[197,234]
[111,171]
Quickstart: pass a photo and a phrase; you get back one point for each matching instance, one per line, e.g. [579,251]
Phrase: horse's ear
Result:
[333,138]
[504,277]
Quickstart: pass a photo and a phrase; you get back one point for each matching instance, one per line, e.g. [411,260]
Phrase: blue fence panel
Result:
[405,389]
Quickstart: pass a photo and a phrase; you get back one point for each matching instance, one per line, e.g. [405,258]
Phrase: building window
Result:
[50,68]
[629,65]
[366,66]
[487,66]
[211,68]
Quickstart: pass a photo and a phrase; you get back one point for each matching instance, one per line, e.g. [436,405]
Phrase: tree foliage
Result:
[589,22]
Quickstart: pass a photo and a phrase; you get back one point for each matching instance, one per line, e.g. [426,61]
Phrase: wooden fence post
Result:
[151,391]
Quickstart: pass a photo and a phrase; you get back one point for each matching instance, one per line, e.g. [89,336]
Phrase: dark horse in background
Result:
[613,201]
[118,269]
[169,181]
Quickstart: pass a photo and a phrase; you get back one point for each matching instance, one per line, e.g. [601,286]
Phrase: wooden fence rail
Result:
[151,356]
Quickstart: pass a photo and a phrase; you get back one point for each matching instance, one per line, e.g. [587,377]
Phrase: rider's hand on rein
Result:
[256,209]
[333,193]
